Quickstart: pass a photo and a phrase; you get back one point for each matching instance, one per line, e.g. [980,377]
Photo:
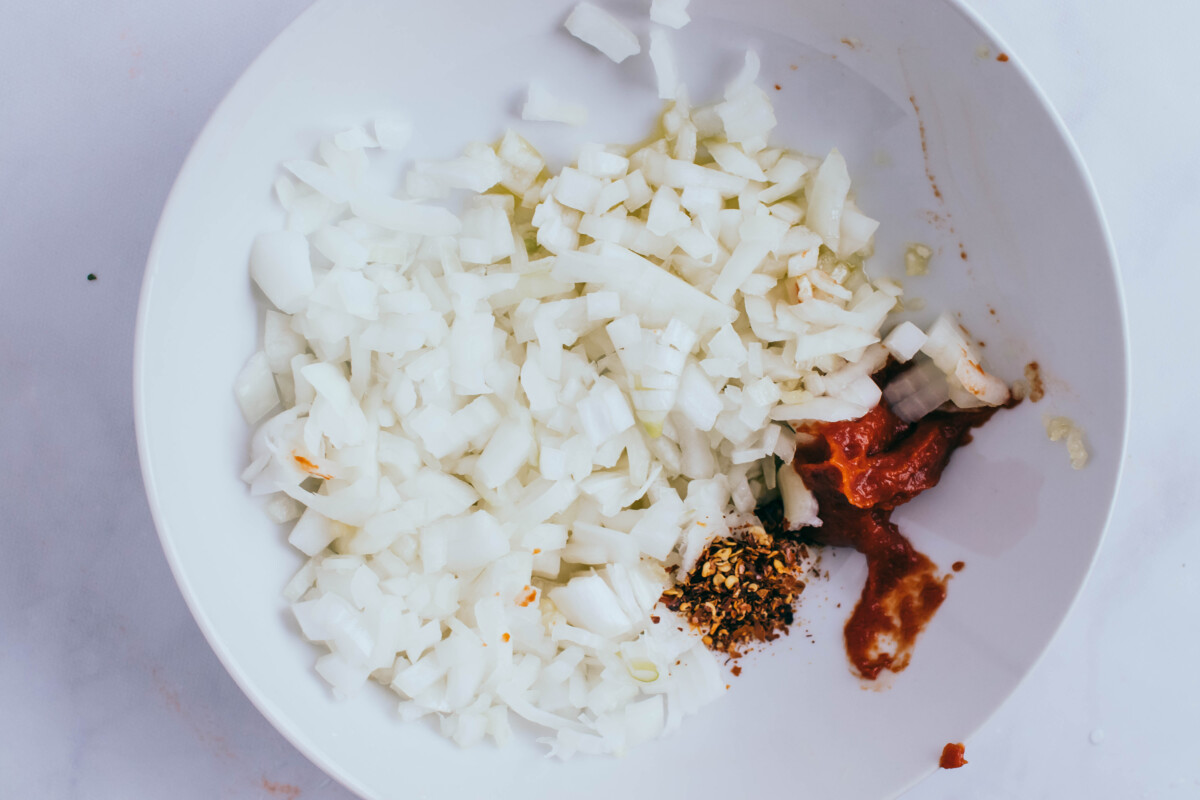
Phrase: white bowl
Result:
[1038,283]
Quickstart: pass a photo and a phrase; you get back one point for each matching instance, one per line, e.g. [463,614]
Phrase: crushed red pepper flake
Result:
[952,756]
[742,590]
[737,670]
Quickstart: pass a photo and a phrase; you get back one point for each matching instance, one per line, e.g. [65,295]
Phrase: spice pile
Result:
[742,590]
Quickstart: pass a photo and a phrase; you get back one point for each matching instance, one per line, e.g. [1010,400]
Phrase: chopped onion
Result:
[255,388]
[827,200]
[504,419]
[542,106]
[672,13]
[279,264]
[603,31]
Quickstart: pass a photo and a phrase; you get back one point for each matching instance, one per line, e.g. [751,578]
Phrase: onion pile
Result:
[501,428]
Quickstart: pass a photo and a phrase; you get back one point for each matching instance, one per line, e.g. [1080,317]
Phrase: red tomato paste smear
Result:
[859,471]
[952,756]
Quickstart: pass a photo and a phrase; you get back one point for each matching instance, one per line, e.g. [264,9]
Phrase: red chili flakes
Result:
[957,566]
[526,596]
[310,467]
[1037,387]
[778,88]
[737,670]
[655,618]
[504,637]
[952,756]
[741,591]
[1002,58]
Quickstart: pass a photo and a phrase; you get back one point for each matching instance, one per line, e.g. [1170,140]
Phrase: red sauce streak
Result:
[859,471]
[937,192]
[952,756]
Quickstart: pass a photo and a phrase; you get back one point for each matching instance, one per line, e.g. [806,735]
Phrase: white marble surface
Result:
[107,689]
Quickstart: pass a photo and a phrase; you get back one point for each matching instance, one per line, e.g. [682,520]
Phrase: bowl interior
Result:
[946,145]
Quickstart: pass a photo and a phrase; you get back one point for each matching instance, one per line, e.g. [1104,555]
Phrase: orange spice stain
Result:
[1002,58]
[526,597]
[280,789]
[505,637]
[925,148]
[201,728]
[310,467]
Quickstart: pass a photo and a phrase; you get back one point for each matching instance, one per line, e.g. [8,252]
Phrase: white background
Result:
[107,689]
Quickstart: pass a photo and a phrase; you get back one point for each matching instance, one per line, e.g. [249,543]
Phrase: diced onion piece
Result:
[917,391]
[542,106]
[819,409]
[904,341]
[255,389]
[800,508]
[672,13]
[946,343]
[856,231]
[986,388]
[589,602]
[506,452]
[393,134]
[603,31]
[827,200]
[279,264]
[916,259]
[731,159]
[745,77]
[747,115]
[662,56]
